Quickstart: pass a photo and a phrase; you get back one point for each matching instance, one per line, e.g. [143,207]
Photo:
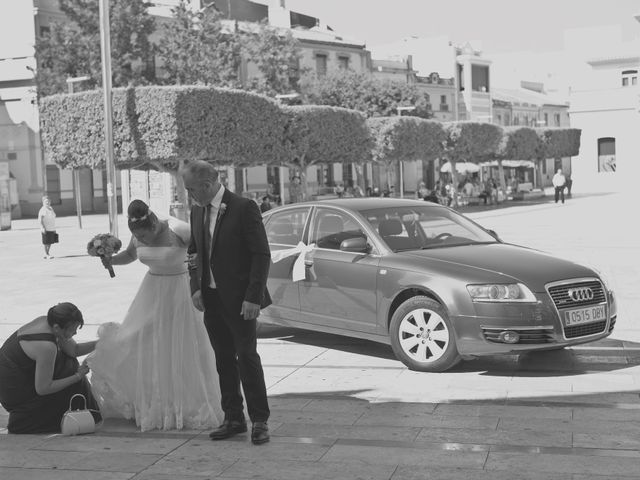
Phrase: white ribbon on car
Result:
[298,266]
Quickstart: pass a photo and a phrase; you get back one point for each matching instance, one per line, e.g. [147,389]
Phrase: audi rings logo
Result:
[580,294]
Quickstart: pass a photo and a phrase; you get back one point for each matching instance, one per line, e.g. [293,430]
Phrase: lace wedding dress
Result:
[158,366]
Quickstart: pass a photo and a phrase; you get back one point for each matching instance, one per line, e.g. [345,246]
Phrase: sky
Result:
[500,25]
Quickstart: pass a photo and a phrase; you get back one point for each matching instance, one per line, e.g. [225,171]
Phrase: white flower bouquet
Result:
[104,245]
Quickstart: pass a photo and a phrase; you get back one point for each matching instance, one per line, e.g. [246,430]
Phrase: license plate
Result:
[585,315]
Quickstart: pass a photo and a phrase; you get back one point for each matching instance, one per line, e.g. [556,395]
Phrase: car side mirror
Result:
[355,244]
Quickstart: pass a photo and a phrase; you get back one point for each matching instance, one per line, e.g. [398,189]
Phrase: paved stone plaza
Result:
[346,409]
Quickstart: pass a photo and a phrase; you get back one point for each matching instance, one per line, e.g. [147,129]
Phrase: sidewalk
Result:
[346,409]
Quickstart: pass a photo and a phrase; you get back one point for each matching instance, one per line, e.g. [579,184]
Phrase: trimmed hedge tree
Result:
[518,143]
[398,139]
[320,134]
[471,142]
[557,143]
[163,126]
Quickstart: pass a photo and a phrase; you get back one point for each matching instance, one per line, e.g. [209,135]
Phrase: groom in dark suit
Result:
[229,264]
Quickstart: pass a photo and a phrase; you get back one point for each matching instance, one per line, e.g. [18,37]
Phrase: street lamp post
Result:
[76,172]
[105,43]
[401,165]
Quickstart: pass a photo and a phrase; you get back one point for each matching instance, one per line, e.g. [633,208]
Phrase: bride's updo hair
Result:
[140,216]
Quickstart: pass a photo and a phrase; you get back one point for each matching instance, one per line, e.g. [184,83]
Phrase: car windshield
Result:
[416,228]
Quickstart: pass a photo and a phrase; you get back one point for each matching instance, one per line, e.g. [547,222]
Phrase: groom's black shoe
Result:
[229,428]
[259,433]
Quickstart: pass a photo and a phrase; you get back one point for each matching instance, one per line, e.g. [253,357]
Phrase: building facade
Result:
[608,113]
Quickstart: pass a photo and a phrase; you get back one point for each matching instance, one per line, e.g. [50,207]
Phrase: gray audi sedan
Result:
[427,280]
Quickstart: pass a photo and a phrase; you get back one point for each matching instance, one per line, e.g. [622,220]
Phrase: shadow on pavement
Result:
[602,356]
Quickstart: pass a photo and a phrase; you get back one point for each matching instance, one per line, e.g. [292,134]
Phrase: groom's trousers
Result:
[234,342]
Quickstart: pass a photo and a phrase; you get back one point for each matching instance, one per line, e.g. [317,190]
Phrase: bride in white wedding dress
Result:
[157,366]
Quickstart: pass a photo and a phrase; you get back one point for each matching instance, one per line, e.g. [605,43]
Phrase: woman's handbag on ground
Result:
[77,422]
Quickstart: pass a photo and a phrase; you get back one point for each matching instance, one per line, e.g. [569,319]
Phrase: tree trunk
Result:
[538,173]
[454,184]
[181,208]
[360,176]
[303,181]
[503,183]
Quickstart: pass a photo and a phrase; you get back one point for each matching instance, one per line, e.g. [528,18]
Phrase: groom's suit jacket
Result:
[240,256]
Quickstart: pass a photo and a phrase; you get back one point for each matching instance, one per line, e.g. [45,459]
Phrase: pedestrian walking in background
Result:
[559,182]
[569,183]
[47,219]
[423,191]
[295,190]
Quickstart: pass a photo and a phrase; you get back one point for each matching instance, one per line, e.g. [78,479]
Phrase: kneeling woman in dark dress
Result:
[39,372]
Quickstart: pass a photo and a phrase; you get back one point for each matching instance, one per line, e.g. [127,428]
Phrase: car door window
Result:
[287,227]
[332,227]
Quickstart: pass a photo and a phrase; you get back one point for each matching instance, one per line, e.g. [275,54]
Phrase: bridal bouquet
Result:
[104,245]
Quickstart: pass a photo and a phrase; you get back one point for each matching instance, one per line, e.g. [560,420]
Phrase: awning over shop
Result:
[510,164]
[461,167]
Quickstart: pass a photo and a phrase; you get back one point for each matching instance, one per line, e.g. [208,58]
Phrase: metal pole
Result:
[76,175]
[456,84]
[281,186]
[105,43]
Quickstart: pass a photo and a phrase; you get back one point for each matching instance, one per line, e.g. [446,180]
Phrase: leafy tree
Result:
[518,143]
[276,54]
[72,48]
[195,48]
[471,142]
[60,54]
[398,139]
[557,143]
[362,92]
[320,134]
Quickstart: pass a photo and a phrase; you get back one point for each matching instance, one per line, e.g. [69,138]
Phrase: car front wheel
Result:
[422,337]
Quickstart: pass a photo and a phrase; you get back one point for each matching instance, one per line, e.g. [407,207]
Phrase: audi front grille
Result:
[578,294]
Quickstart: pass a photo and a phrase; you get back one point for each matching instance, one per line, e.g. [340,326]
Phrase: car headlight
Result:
[512,292]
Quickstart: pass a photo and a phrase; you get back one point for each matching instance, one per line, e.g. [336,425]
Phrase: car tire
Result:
[422,336]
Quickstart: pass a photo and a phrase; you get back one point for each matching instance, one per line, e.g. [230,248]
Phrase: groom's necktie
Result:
[206,260]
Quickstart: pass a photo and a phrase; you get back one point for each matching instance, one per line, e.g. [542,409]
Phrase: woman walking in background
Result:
[47,219]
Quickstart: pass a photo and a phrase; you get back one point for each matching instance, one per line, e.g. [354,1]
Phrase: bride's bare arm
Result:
[126,256]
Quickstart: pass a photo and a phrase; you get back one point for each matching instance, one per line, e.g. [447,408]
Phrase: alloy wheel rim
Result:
[423,335]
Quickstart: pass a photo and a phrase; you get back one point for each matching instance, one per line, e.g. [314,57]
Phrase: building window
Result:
[343,63]
[607,154]
[294,72]
[444,107]
[556,119]
[546,119]
[53,184]
[321,65]
[44,30]
[499,118]
[479,78]
[629,77]
[507,119]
